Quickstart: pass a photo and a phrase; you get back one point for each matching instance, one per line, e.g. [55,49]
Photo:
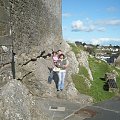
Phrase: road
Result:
[58,109]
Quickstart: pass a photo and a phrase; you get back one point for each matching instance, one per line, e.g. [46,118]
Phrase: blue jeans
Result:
[61,76]
[50,78]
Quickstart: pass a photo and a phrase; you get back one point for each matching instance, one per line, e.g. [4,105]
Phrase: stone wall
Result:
[35,27]
[36,24]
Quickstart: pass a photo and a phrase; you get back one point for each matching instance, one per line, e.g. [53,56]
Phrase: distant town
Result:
[107,53]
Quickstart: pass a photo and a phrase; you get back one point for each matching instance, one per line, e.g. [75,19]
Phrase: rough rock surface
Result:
[36,31]
[83,61]
[15,102]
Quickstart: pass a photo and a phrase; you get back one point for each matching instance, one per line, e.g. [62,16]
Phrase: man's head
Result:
[59,52]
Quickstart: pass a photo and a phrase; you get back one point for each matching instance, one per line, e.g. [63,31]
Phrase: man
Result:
[62,63]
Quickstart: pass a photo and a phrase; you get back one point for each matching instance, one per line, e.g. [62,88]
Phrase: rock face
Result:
[83,61]
[36,25]
[15,102]
[36,31]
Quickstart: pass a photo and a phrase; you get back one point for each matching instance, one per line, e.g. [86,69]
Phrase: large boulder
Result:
[15,102]
[83,61]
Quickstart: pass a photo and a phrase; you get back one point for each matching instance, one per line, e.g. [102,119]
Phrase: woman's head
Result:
[54,53]
[61,56]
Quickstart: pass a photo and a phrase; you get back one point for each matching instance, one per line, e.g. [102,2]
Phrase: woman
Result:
[62,63]
[54,69]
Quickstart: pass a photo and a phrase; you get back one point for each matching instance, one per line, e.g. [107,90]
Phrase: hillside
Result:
[95,87]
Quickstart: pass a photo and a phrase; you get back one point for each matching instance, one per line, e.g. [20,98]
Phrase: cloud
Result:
[66,15]
[73,40]
[80,26]
[112,9]
[109,22]
[96,41]
[101,29]
[77,26]
[90,26]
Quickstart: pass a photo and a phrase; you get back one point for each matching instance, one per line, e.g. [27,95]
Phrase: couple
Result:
[60,65]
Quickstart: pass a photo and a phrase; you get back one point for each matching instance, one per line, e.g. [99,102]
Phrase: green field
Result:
[98,69]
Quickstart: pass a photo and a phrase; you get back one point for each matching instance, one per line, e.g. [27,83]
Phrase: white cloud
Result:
[109,22]
[80,26]
[66,15]
[101,29]
[73,39]
[89,26]
[77,25]
[96,41]
[112,9]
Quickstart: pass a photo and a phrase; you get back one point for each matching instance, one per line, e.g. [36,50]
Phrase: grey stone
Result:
[36,31]
[15,101]
[83,61]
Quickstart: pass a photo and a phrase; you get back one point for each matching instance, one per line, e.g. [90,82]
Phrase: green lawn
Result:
[75,49]
[98,69]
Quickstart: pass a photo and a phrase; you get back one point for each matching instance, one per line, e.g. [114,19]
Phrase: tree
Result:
[78,43]
[84,44]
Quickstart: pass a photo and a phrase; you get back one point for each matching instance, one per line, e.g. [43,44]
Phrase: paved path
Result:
[107,110]
[58,109]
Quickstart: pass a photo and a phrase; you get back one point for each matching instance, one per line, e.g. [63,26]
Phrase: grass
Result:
[80,85]
[79,79]
[83,71]
[75,49]
[98,69]
[118,77]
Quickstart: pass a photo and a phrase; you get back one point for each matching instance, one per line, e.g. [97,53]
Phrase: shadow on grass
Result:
[106,87]
[103,79]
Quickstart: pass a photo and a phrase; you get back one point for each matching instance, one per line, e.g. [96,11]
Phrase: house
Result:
[113,58]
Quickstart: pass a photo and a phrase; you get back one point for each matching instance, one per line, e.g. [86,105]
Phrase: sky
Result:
[91,21]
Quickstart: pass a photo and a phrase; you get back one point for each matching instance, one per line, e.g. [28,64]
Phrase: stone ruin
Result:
[109,76]
[111,82]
